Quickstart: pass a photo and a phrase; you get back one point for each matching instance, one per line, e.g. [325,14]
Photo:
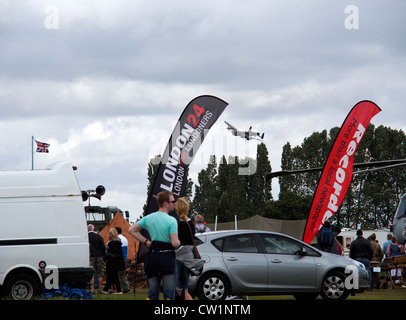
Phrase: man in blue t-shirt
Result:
[387,243]
[163,230]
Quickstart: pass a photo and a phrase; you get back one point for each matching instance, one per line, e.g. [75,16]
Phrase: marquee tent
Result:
[119,221]
[294,228]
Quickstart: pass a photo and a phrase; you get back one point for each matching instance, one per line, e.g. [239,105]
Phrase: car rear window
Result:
[241,243]
[198,240]
[236,243]
[218,244]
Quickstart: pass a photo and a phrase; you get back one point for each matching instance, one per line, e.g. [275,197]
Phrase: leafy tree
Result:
[289,206]
[238,188]
[232,191]
[287,182]
[152,169]
[311,154]
[370,197]
[258,188]
[206,199]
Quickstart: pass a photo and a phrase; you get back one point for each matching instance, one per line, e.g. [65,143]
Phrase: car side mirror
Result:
[303,251]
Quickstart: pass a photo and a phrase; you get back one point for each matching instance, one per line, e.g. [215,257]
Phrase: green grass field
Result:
[383,294]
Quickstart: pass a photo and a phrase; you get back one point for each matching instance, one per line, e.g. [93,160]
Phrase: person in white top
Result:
[122,273]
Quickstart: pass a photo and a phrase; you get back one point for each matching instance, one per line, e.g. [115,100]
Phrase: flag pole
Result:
[32,152]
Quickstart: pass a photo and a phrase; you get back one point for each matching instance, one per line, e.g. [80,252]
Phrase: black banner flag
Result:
[194,123]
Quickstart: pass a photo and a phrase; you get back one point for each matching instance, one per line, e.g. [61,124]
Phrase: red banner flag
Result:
[337,171]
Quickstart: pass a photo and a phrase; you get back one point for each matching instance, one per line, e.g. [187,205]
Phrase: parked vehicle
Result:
[43,231]
[251,262]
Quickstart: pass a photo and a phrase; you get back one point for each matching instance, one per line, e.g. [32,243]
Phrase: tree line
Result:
[372,197]
[238,187]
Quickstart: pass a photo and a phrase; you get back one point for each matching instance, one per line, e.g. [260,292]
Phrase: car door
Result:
[288,269]
[247,266]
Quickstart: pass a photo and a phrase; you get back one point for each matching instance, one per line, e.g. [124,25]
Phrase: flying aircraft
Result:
[399,221]
[248,135]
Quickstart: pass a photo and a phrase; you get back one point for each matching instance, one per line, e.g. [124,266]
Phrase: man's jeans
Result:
[168,286]
[367,264]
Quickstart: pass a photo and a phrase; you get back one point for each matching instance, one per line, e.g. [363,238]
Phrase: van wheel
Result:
[22,287]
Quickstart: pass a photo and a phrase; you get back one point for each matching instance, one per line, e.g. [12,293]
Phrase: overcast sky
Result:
[103,82]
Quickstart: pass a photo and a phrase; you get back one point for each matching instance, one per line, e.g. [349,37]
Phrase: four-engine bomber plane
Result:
[248,135]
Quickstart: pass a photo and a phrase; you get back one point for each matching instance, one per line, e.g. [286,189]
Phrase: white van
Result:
[43,231]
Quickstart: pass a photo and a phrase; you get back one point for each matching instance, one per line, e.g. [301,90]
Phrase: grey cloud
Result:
[128,68]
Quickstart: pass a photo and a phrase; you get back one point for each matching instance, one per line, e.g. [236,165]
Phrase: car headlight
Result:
[358,264]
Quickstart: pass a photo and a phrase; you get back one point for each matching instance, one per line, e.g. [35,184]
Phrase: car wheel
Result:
[333,287]
[22,287]
[213,286]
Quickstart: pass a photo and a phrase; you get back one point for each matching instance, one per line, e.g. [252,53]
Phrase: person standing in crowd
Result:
[122,273]
[394,249]
[97,252]
[377,256]
[186,231]
[160,259]
[387,243]
[361,250]
[114,263]
[200,225]
[326,238]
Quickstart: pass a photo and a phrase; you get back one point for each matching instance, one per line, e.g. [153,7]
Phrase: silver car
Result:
[251,262]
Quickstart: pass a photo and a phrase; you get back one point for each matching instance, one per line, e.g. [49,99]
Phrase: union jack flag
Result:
[42,147]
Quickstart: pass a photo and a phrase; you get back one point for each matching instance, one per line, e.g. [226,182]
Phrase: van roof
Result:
[58,179]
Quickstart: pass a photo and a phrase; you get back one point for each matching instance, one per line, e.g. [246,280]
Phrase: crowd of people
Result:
[111,257]
[169,260]
[364,250]
[168,235]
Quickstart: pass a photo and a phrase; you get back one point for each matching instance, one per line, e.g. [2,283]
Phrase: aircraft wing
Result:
[382,165]
[254,135]
[231,127]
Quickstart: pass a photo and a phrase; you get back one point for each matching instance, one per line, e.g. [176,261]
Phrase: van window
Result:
[95,216]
